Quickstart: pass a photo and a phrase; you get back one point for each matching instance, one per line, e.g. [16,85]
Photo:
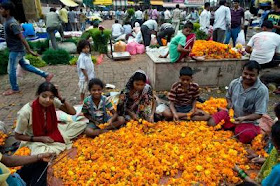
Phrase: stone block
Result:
[209,73]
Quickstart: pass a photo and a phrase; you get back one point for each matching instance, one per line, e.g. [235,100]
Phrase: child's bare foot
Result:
[49,77]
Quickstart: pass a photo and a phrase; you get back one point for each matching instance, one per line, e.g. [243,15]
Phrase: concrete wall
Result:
[208,73]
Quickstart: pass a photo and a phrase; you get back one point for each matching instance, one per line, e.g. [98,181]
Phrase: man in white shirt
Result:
[117,29]
[222,22]
[265,47]
[247,16]
[204,19]
[147,29]
[167,16]
[176,18]
[139,16]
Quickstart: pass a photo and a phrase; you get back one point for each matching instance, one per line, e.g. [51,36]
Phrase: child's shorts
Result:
[183,109]
[92,126]
[83,86]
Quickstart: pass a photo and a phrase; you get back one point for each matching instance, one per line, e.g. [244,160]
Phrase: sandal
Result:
[10,92]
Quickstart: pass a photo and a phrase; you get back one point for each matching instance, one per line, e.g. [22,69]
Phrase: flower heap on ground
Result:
[258,145]
[212,105]
[213,50]
[144,153]
[3,138]
[23,151]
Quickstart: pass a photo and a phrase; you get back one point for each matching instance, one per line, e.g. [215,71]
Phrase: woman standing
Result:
[137,100]
[37,125]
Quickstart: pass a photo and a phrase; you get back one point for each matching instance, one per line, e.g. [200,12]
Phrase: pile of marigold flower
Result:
[3,138]
[212,105]
[23,151]
[258,145]
[143,153]
[213,50]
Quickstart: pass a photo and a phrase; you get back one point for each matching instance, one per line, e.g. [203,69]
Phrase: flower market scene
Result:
[139,92]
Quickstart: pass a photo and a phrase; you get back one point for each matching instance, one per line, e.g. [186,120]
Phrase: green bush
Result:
[54,57]
[35,61]
[200,35]
[196,26]
[72,40]
[39,46]
[4,59]
[130,12]
[74,60]
[100,39]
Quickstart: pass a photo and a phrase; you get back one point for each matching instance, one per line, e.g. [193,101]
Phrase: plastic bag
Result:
[131,48]
[140,49]
[153,40]
[120,46]
[164,42]
[20,71]
[241,38]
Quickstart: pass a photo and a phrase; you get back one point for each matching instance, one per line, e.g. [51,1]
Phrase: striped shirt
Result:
[181,97]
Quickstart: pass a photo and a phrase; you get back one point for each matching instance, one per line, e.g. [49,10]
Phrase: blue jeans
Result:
[16,58]
[83,26]
[232,33]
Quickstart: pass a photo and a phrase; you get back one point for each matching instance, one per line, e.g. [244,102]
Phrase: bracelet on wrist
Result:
[38,157]
[242,174]
[63,100]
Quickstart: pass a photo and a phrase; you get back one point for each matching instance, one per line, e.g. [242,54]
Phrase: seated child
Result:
[181,45]
[95,109]
[127,28]
[182,97]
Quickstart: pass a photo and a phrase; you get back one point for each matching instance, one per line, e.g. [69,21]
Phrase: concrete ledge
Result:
[207,73]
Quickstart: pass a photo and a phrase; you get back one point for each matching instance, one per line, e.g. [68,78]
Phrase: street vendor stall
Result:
[217,65]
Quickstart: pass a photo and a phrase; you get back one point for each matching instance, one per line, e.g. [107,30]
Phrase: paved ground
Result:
[113,72]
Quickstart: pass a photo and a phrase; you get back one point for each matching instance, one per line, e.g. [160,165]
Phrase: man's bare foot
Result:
[49,77]
[10,92]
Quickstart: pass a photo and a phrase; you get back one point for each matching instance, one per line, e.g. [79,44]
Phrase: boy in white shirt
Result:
[85,67]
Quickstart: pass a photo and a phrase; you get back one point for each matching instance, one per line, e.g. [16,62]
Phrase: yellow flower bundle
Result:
[144,153]
[213,50]
[3,138]
[212,105]
[23,151]
[258,145]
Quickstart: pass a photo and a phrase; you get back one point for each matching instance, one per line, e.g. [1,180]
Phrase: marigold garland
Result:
[23,151]
[212,105]
[213,50]
[143,153]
